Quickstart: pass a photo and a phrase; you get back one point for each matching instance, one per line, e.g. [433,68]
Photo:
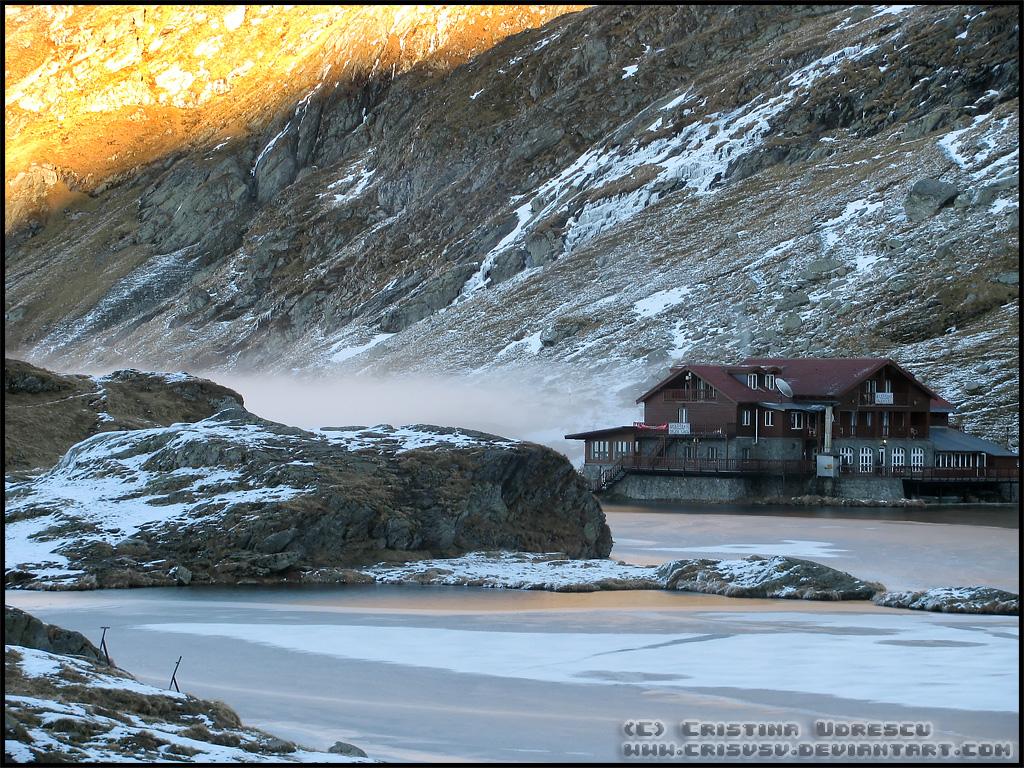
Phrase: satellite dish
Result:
[783,387]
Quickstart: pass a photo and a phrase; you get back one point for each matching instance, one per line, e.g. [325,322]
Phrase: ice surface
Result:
[854,657]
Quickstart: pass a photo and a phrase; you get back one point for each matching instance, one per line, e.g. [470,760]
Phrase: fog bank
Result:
[521,411]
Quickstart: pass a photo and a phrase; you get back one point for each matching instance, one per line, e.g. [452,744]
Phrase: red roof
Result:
[721,378]
[831,376]
[820,377]
[825,378]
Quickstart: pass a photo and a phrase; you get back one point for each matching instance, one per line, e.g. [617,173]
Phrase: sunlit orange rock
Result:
[93,92]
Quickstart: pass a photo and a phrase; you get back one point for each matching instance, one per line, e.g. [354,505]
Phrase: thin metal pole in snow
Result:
[103,645]
[173,681]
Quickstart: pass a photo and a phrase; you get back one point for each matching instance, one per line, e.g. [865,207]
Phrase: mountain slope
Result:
[577,207]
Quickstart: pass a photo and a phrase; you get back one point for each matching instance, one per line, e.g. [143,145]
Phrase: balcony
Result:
[877,431]
[691,395]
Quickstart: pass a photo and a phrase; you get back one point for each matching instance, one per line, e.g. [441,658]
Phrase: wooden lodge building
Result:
[859,428]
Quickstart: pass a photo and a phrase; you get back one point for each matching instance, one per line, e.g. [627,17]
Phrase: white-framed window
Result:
[796,420]
[916,458]
[866,459]
[899,457]
[951,460]
[871,386]
[745,453]
[683,418]
[881,457]
[752,380]
[769,381]
[846,456]
[746,417]
[712,452]
[867,418]
[769,418]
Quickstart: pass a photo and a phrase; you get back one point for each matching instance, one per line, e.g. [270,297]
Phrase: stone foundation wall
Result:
[682,488]
[709,488]
[870,488]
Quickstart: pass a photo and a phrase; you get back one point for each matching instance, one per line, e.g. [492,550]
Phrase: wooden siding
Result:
[661,409]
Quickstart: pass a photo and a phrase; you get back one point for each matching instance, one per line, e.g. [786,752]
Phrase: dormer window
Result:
[752,380]
[769,381]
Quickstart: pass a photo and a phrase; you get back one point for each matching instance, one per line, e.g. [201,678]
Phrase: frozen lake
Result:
[464,674]
[911,548]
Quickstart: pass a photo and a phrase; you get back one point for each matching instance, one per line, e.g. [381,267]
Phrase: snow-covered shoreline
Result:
[85,712]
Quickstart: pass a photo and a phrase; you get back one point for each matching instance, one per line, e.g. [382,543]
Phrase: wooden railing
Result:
[682,465]
[936,473]
[704,466]
[871,431]
[691,395]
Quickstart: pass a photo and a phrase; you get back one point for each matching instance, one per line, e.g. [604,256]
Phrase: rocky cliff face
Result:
[576,206]
[237,498]
[94,93]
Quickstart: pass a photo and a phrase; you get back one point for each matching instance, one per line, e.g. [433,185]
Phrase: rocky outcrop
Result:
[955,600]
[238,498]
[21,628]
[551,571]
[45,413]
[767,577]
[927,196]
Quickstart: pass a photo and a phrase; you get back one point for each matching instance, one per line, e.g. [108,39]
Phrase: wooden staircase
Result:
[611,476]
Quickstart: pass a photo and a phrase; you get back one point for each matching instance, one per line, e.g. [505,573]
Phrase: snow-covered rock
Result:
[766,577]
[235,497]
[955,600]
